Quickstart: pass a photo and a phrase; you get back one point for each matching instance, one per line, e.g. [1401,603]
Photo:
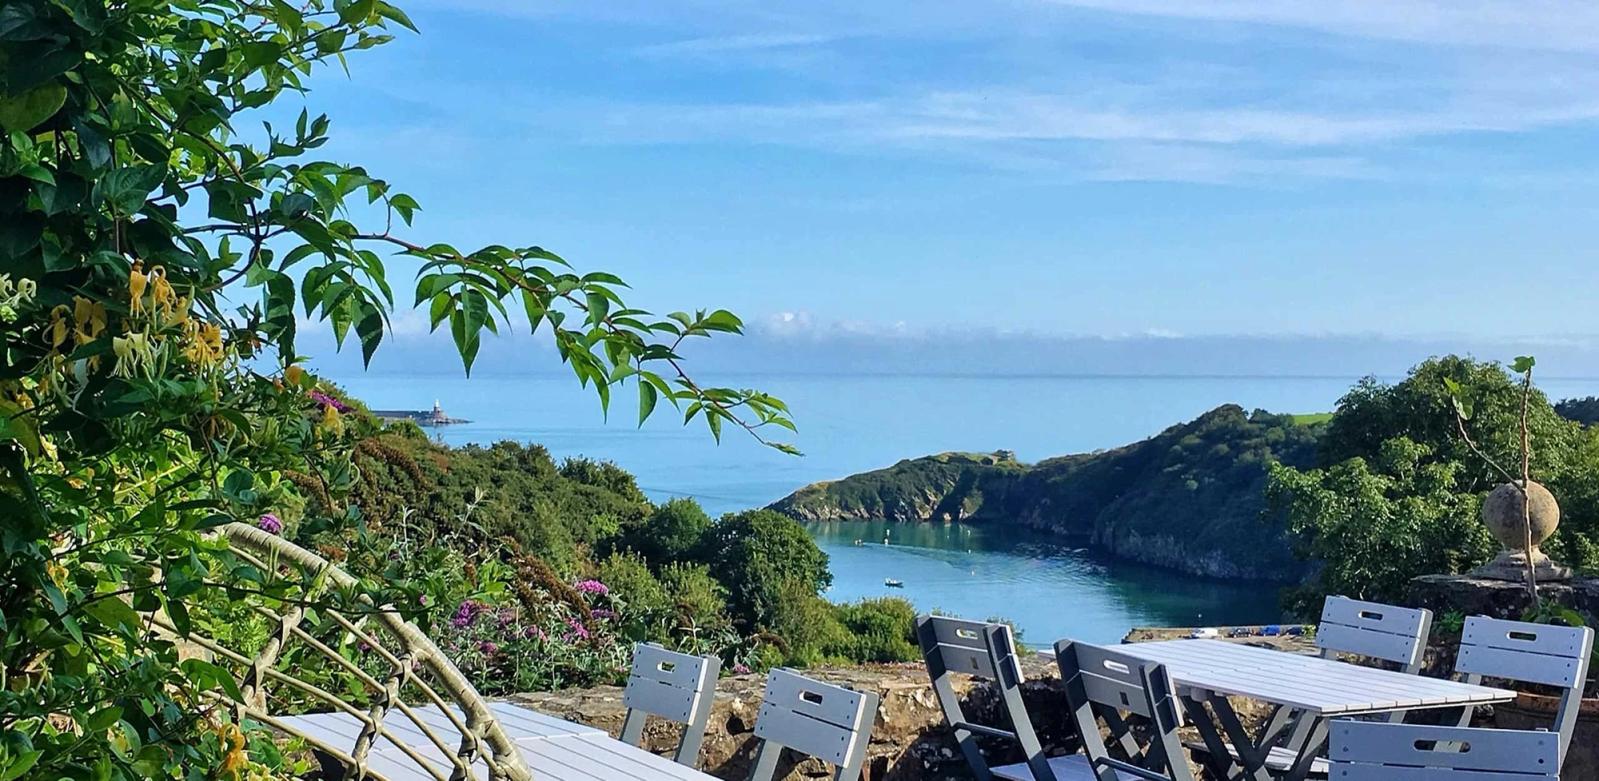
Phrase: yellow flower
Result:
[122,348]
[234,760]
[136,284]
[331,420]
[90,319]
[179,316]
[294,374]
[58,326]
[161,293]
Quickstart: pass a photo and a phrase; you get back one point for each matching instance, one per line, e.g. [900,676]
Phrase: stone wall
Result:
[909,741]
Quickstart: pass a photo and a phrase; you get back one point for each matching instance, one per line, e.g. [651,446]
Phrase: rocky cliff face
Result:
[1190,498]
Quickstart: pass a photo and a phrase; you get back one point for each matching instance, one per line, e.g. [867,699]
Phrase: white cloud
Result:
[734,44]
[1532,24]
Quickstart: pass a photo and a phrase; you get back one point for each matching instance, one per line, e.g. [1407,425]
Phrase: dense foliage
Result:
[1189,498]
[158,249]
[1398,492]
[570,563]
[1584,410]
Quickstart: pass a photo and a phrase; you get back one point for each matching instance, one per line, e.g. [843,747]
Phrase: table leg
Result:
[1253,754]
[1218,761]
[1309,736]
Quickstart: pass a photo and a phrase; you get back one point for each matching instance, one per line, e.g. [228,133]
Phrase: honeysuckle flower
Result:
[137,282]
[89,318]
[162,296]
[122,348]
[26,288]
[58,326]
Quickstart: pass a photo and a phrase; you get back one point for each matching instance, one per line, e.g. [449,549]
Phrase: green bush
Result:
[668,534]
[760,556]
[880,630]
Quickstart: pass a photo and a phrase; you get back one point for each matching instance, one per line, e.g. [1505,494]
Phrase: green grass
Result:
[1312,418]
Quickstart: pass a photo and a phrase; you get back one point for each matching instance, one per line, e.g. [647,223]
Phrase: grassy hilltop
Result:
[1189,498]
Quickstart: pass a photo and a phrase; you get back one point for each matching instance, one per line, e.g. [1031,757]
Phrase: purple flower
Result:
[592,587]
[487,648]
[328,401]
[534,631]
[578,631]
[603,614]
[467,613]
[740,669]
[269,523]
[422,600]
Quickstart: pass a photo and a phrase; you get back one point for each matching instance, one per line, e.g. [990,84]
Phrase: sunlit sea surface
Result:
[851,424]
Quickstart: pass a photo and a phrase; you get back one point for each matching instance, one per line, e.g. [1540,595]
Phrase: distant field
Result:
[1311,419]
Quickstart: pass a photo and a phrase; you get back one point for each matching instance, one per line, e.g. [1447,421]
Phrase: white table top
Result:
[1322,686]
[554,749]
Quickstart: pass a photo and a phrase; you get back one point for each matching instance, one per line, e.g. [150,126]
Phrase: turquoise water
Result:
[851,424]
[1047,589]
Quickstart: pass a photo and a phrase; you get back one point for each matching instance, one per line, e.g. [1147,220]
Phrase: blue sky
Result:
[1080,168]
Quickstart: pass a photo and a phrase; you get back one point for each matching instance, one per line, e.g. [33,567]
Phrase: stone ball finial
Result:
[1502,512]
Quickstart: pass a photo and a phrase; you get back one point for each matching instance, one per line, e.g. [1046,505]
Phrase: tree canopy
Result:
[159,248]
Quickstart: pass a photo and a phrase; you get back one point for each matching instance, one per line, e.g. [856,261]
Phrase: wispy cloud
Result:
[1531,24]
[1269,90]
[733,43]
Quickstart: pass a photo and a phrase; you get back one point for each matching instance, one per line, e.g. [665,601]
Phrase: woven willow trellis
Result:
[396,661]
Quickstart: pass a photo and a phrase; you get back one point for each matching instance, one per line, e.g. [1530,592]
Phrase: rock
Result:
[1474,596]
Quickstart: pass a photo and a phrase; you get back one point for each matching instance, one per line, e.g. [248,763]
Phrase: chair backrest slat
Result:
[666,683]
[674,686]
[1116,682]
[825,721]
[988,652]
[1387,632]
[1519,651]
[962,646]
[1381,751]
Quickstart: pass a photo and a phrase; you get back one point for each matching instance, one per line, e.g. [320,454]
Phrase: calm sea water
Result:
[851,424]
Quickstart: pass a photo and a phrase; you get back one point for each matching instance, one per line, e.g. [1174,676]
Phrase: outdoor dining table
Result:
[555,749]
[1305,690]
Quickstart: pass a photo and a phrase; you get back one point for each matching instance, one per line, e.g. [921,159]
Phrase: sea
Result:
[847,424]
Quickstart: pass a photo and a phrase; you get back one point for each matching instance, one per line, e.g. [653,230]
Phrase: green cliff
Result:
[1190,498]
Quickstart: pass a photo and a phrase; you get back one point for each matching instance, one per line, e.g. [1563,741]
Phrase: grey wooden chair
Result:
[1378,751]
[1103,685]
[828,722]
[1555,656]
[674,686]
[1374,630]
[986,651]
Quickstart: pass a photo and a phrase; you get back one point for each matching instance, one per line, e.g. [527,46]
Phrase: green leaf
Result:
[17,425]
[103,719]
[24,112]
[1523,364]
[647,399]
[22,764]
[113,613]
[126,189]
[354,11]
[260,53]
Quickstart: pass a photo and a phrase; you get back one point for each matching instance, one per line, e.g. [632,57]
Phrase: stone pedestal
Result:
[1477,596]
